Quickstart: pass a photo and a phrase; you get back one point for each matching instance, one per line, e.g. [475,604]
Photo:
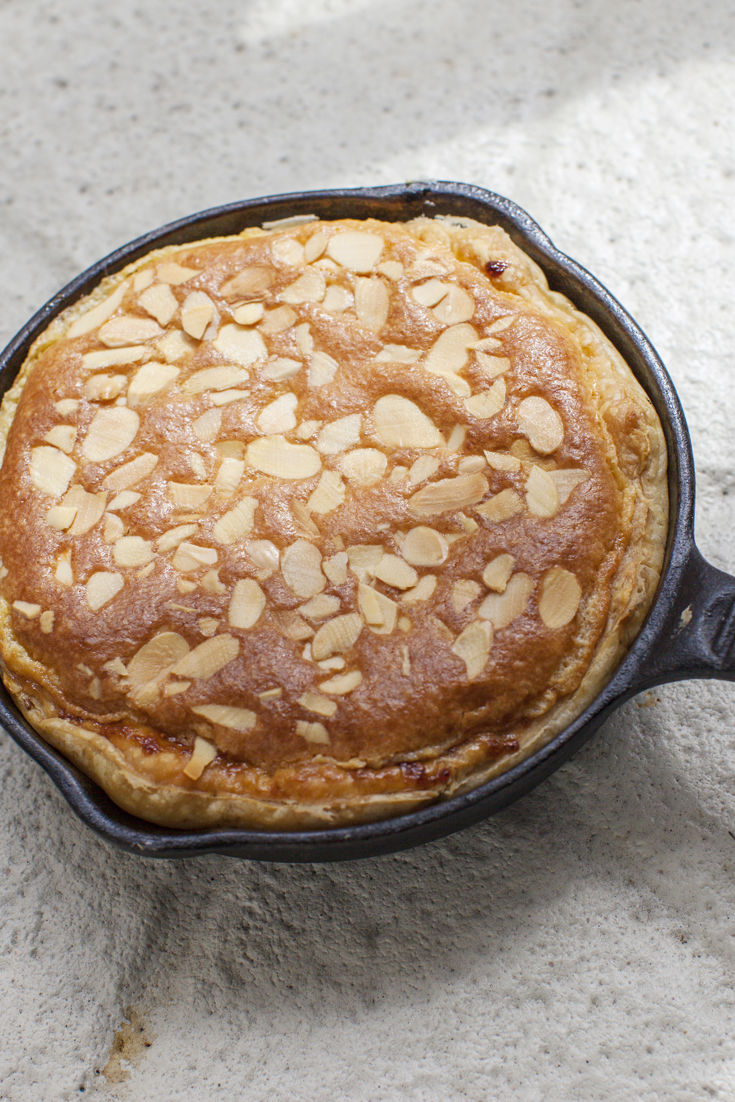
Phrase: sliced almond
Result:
[274,455]
[226,397]
[192,556]
[208,658]
[277,320]
[129,474]
[88,509]
[309,287]
[497,572]
[279,415]
[424,547]
[50,470]
[430,292]
[250,283]
[293,626]
[541,424]
[110,433]
[364,466]
[422,469]
[202,755]
[473,647]
[112,357]
[225,715]
[301,566]
[264,556]
[322,369]
[112,527]
[188,495]
[103,388]
[150,379]
[499,461]
[210,583]
[329,493]
[364,558]
[215,378]
[379,611]
[65,407]
[399,423]
[101,587]
[566,479]
[60,517]
[320,607]
[174,536]
[281,367]
[560,597]
[488,403]
[322,705]
[244,346]
[337,436]
[303,522]
[450,351]
[542,497]
[142,279]
[246,604]
[129,329]
[62,436]
[372,302]
[337,636]
[175,346]
[337,299]
[27,609]
[160,302]
[398,353]
[447,494]
[315,246]
[98,314]
[456,306]
[229,475]
[343,684]
[169,271]
[501,506]
[356,250]
[335,568]
[469,464]
[46,621]
[248,314]
[502,608]
[63,570]
[396,572]
[207,427]
[152,662]
[464,592]
[312,732]
[420,592]
[392,269]
[236,522]
[132,551]
[456,438]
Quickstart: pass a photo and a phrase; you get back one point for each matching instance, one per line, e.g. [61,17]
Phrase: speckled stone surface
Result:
[580,945]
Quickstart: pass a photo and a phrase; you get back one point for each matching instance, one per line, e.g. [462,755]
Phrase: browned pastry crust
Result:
[313,525]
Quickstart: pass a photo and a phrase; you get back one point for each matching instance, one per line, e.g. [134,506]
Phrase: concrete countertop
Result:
[579,946]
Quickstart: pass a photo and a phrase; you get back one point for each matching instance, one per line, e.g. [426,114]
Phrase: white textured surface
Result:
[580,945]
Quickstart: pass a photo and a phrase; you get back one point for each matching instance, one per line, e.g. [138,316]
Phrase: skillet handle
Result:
[697,637]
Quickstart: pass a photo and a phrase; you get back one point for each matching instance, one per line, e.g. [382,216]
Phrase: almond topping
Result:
[422,468]
[112,527]
[50,470]
[244,346]
[395,572]
[329,493]
[247,604]
[188,495]
[379,611]
[502,608]
[501,507]
[566,479]
[142,279]
[364,558]
[46,622]
[63,571]
[499,461]
[112,357]
[97,314]
[309,287]
[127,475]
[365,466]
[27,609]
[174,536]
[337,299]
[473,647]
[88,509]
[320,607]
[336,568]
[62,436]
[429,293]
[103,388]
[322,369]
[171,272]
[60,517]
[274,455]
[236,522]
[160,302]
[279,415]
[488,403]
[497,572]
[271,694]
[372,301]
[398,353]
[469,464]
[560,597]
[540,422]
[280,368]
[448,494]
[223,715]
[343,684]
[215,378]
[464,592]
[149,379]
[128,330]
[456,306]
[175,346]
[491,366]
[312,732]
[264,556]
[400,423]
[210,583]
[248,314]
[66,406]
[102,587]
[225,397]
[132,551]
[456,438]
[250,283]
[338,435]
[336,636]
[301,566]
[110,433]
[192,556]
[208,625]
[208,658]
[449,353]
[152,662]
[355,249]
[421,592]
[202,755]
[425,547]
[542,497]
[322,705]
[208,425]
[275,321]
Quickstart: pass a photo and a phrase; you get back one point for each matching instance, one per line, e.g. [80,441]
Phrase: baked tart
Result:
[321,522]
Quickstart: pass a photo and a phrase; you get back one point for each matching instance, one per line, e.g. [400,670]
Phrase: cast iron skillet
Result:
[690,629]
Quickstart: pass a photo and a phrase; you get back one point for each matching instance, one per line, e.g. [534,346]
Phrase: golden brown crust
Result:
[312,526]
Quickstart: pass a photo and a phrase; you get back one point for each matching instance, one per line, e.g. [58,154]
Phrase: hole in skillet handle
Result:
[657,654]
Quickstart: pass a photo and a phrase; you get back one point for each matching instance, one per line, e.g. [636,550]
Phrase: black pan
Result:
[689,631]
